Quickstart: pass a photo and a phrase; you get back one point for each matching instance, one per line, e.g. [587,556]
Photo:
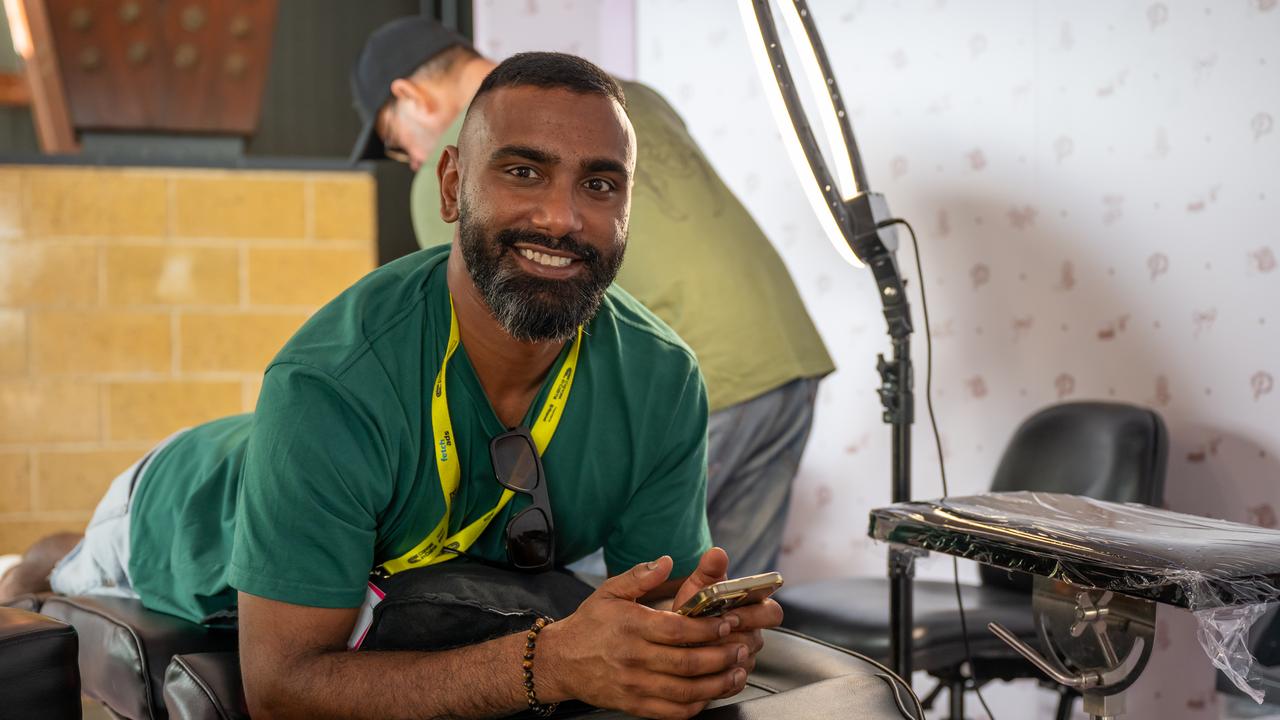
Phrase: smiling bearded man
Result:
[371,448]
[534,307]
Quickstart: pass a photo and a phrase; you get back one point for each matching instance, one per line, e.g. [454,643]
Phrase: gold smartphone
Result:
[723,596]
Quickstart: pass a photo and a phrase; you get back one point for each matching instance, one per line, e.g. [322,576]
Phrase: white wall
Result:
[1095,185]
[603,31]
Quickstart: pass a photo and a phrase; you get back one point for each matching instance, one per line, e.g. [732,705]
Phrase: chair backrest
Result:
[1100,450]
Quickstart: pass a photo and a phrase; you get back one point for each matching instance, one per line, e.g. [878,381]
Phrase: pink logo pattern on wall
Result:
[1095,191]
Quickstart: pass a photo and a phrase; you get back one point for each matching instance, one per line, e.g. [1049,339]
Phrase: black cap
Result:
[393,51]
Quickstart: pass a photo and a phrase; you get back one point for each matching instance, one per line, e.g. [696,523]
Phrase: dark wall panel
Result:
[307,108]
[17,132]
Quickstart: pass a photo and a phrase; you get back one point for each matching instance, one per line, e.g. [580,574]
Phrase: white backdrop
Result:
[1095,185]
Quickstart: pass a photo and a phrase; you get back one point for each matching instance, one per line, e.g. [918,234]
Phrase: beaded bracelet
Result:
[530,643]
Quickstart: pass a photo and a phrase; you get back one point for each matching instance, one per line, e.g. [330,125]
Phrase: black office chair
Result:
[1106,451]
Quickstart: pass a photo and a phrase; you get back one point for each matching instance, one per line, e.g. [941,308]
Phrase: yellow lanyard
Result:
[433,547]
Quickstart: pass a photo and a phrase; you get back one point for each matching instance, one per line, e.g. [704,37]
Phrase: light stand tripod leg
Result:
[901,573]
[955,698]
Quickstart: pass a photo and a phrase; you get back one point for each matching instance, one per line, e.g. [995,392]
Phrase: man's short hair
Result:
[444,63]
[552,70]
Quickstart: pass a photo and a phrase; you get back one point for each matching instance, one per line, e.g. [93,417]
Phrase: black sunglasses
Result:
[531,533]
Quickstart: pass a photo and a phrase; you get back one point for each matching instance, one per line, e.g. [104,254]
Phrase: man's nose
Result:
[557,214]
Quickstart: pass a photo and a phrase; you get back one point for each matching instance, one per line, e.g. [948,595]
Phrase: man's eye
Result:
[523,172]
[599,185]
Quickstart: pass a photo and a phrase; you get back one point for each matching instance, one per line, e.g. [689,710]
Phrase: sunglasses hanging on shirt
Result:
[530,534]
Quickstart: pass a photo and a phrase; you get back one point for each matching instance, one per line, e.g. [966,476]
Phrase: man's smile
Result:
[545,262]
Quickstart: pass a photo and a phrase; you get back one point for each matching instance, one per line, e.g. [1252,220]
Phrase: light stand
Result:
[855,219]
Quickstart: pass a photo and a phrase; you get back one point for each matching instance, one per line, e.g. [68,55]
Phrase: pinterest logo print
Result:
[1065,384]
[1262,383]
[1262,125]
[1158,265]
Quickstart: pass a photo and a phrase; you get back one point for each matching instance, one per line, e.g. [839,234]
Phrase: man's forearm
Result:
[477,681]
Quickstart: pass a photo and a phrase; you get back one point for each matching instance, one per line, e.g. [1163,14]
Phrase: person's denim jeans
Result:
[753,452]
[99,563]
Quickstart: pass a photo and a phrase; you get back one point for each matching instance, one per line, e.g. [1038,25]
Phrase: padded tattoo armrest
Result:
[125,649]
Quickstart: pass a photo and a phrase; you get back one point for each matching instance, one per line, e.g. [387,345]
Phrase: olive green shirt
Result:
[694,257]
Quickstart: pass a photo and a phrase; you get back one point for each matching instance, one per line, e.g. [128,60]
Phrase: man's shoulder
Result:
[644,101]
[424,194]
[389,298]
[639,89]
[639,328]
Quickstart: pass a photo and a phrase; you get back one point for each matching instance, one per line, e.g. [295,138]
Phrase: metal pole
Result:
[864,220]
[899,412]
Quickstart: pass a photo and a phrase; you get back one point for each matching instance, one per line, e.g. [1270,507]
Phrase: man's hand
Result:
[746,621]
[614,652]
[711,569]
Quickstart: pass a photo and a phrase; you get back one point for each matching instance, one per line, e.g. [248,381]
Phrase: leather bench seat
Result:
[38,676]
[207,686]
[142,665]
[125,649]
[866,697]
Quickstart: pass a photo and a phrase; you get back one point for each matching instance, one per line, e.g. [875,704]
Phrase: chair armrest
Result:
[791,659]
[38,674]
[205,686]
[867,697]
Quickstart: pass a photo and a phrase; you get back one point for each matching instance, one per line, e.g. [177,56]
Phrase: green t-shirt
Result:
[695,258]
[334,474]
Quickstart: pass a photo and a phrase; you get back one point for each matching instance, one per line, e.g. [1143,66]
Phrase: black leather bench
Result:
[145,665]
[125,650]
[38,675]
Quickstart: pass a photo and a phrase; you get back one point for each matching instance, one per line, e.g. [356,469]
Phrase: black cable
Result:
[884,669]
[937,441]
[894,684]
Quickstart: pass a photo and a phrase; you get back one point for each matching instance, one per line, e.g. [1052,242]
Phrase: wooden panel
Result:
[110,53]
[13,90]
[217,64]
[197,66]
[48,98]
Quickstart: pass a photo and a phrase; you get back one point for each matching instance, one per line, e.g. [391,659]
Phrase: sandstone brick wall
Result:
[137,301]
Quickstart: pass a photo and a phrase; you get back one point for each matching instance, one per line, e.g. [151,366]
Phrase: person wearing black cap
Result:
[401,61]
[696,259]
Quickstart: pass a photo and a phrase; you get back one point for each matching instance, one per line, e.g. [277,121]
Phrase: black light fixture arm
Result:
[833,91]
[864,221]
[861,218]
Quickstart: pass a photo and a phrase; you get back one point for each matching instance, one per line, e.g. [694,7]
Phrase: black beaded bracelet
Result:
[530,644]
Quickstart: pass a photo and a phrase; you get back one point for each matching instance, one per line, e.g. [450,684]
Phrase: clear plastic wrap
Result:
[1225,573]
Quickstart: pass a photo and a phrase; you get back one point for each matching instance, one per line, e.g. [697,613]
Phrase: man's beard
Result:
[531,308]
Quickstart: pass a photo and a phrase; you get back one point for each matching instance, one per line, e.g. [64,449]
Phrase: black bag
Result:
[460,603]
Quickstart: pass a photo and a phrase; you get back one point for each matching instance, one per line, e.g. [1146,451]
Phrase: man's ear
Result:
[450,183]
[424,98]
[405,90]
